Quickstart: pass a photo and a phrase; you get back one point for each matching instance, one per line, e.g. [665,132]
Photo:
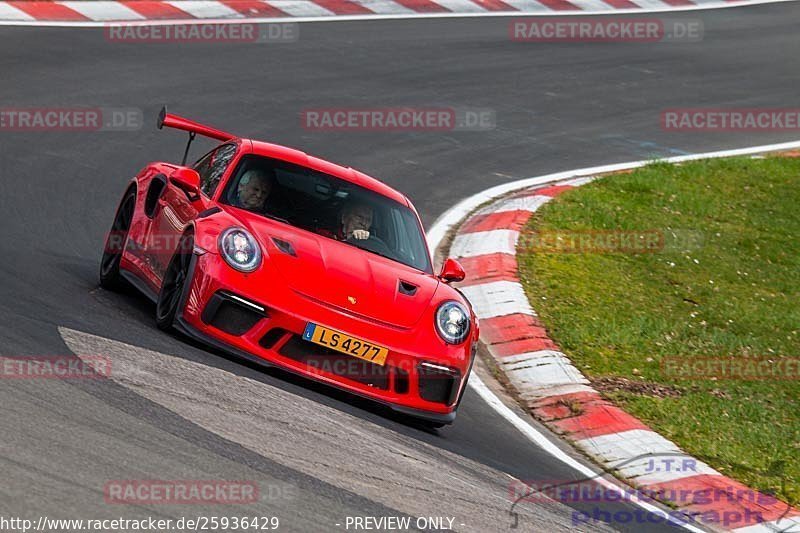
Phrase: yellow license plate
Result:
[342,342]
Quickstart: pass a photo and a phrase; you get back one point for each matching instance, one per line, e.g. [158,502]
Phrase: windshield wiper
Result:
[276,217]
[353,244]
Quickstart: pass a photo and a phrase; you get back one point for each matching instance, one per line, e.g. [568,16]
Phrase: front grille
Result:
[327,360]
[438,385]
[229,315]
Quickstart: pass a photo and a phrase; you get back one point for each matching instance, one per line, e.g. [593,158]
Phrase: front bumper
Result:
[263,323]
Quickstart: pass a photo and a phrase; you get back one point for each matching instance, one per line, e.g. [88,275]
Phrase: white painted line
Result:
[650,4]
[498,298]
[713,4]
[384,7]
[206,9]
[592,5]
[301,8]
[9,12]
[528,6]
[525,203]
[498,241]
[460,6]
[99,11]
[544,443]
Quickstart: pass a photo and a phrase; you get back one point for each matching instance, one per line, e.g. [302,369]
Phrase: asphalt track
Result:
[176,411]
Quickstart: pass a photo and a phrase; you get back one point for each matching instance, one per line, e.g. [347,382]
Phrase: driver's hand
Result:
[361,234]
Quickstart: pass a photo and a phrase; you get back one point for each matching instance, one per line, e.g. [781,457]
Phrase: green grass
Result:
[726,283]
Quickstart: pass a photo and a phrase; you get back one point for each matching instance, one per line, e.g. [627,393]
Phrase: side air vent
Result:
[157,187]
[409,289]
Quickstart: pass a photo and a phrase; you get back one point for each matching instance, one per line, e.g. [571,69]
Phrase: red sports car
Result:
[285,259]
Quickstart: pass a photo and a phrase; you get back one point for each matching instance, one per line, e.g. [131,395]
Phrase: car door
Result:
[176,209]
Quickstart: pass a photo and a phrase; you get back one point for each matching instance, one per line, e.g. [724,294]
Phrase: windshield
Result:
[329,206]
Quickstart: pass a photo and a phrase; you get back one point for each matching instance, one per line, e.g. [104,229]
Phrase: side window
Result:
[400,236]
[213,166]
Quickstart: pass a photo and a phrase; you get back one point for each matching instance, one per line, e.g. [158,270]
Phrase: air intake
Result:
[231,314]
[409,289]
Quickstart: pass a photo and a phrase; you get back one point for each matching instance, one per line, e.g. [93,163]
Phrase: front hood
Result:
[342,276]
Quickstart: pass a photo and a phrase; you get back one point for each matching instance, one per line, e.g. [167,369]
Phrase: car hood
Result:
[342,276]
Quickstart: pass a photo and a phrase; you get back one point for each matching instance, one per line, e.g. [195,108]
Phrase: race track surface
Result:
[173,410]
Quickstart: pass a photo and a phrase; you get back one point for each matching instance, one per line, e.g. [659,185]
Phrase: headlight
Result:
[240,249]
[452,322]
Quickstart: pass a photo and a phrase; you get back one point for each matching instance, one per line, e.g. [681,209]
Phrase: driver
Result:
[253,189]
[356,221]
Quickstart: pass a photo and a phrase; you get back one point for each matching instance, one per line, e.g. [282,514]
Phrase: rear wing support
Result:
[180,123]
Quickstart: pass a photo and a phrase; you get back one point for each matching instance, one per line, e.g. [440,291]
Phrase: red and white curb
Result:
[548,383]
[86,12]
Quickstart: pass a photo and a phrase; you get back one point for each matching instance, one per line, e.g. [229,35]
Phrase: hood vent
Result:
[284,246]
[409,289]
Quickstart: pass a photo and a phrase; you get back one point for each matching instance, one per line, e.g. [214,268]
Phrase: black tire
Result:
[110,277]
[175,279]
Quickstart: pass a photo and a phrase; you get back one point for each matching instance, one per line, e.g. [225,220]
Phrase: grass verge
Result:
[725,283]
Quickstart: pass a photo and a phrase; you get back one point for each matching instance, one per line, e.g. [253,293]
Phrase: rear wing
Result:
[194,128]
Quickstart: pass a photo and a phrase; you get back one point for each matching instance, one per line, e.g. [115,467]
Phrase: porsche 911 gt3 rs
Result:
[289,260]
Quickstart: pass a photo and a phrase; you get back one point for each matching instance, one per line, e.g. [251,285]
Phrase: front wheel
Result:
[175,279]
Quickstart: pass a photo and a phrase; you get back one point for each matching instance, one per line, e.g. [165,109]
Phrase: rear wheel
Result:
[175,279]
[110,277]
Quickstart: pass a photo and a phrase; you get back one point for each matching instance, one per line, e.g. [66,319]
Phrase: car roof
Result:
[346,173]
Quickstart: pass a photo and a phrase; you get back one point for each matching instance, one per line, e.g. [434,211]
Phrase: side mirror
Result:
[187,179]
[452,271]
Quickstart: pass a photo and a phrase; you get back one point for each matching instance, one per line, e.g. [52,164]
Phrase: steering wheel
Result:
[372,244]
